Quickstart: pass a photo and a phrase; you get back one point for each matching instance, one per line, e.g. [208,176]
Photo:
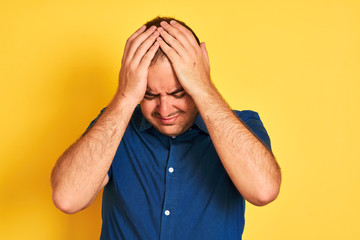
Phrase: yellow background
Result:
[297,63]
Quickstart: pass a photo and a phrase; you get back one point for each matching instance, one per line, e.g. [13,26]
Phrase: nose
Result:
[164,106]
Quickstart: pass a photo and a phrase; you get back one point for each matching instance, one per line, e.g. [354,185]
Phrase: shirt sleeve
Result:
[252,120]
[88,129]
[93,122]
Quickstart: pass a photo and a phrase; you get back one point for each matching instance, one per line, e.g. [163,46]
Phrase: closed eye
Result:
[150,96]
[179,95]
[147,97]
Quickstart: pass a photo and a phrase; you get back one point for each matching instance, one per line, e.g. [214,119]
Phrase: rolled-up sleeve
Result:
[253,122]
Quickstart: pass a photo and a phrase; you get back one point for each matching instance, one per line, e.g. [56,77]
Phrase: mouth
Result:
[168,121]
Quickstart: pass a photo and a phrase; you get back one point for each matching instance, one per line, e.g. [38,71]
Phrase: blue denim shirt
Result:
[164,187]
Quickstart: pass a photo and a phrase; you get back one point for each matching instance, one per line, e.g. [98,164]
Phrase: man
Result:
[178,166]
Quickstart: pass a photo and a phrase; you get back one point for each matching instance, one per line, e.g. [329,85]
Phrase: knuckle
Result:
[138,40]
[141,48]
[127,44]
[146,58]
[130,47]
[177,33]
[149,41]
[135,42]
[187,31]
[129,40]
[132,68]
[185,34]
[181,35]
[169,40]
[172,51]
[184,29]
[145,46]
[154,36]
[127,60]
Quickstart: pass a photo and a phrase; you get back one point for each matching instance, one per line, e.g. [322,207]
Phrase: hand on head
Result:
[189,60]
[139,50]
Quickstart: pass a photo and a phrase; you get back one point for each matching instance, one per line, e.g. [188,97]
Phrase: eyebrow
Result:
[148,92]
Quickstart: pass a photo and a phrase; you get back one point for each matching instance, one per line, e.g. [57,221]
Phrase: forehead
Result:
[162,78]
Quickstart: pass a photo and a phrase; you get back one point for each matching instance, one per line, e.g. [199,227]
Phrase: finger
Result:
[187,33]
[170,40]
[144,47]
[177,34]
[146,60]
[204,51]
[135,42]
[170,53]
[128,41]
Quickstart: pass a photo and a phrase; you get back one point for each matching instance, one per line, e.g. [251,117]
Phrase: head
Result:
[160,55]
[166,105]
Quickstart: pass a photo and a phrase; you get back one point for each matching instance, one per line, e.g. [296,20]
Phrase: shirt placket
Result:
[168,215]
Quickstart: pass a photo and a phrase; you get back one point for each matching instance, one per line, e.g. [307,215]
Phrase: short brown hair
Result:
[156,22]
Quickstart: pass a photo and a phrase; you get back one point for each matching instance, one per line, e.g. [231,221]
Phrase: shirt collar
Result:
[199,122]
[140,121]
[142,124]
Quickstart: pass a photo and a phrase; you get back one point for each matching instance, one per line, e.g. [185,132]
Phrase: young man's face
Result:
[166,105]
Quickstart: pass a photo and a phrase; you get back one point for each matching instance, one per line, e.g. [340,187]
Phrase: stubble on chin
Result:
[182,127]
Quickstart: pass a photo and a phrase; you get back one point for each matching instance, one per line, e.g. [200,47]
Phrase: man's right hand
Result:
[139,50]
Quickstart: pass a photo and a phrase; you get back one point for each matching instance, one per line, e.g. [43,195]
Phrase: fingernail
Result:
[172,22]
[163,23]
[155,33]
[160,29]
[153,27]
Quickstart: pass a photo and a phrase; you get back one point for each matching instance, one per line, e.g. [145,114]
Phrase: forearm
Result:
[81,171]
[250,165]
[82,168]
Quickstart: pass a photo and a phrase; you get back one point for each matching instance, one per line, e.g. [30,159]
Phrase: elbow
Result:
[64,204]
[266,195]
[268,191]
[265,199]
[65,201]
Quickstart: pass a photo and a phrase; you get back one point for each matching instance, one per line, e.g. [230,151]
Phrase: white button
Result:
[167,212]
[173,136]
[171,170]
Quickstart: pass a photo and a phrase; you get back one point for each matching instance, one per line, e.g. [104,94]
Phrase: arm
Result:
[250,165]
[81,171]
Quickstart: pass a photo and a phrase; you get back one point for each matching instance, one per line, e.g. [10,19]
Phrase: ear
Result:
[204,52]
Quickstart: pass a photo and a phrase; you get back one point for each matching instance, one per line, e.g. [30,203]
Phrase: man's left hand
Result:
[189,60]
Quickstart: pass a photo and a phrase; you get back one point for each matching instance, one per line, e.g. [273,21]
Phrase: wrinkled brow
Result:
[149,93]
